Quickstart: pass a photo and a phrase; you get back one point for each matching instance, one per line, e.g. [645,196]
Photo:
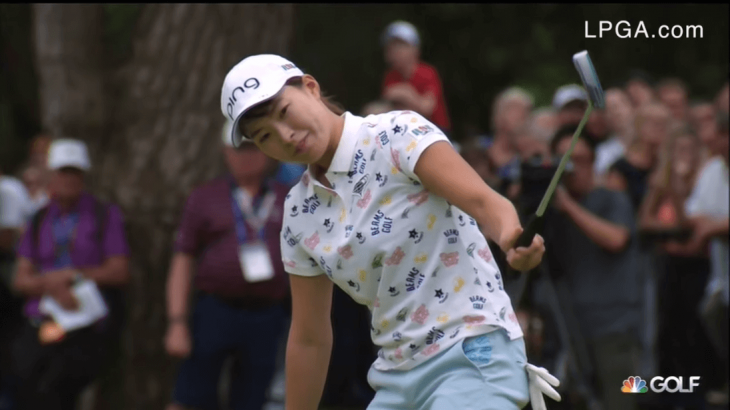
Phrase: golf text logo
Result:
[659,384]
[251,83]
[623,29]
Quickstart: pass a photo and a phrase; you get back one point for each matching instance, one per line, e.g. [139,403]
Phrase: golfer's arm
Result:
[178,287]
[607,235]
[309,346]
[444,172]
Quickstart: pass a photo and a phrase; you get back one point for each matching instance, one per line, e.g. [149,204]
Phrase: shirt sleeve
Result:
[12,210]
[187,239]
[115,238]
[293,254]
[411,135]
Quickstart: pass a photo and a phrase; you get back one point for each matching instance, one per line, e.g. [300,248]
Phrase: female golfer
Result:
[388,211]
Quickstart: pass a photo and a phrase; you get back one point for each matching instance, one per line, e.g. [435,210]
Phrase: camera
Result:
[535,176]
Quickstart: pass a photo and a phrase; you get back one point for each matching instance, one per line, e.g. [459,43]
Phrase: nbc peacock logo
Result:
[634,384]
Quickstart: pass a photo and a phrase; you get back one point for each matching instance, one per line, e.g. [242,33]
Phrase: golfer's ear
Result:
[311,85]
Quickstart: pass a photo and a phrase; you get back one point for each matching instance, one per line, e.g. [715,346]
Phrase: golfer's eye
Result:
[263,138]
[283,112]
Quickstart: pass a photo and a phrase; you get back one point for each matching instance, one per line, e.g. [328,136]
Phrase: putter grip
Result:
[534,226]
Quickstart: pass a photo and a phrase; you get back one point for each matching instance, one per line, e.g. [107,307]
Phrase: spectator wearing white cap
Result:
[75,238]
[411,84]
[570,102]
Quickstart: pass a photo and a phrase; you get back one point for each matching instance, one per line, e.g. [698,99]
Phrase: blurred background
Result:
[140,86]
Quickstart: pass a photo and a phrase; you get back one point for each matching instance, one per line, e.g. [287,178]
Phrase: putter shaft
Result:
[559,172]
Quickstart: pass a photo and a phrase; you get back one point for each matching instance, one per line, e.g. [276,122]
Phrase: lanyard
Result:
[64,236]
[242,206]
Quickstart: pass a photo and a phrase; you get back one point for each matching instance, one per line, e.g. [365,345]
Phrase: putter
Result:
[588,75]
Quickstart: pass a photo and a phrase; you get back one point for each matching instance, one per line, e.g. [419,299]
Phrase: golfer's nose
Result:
[286,133]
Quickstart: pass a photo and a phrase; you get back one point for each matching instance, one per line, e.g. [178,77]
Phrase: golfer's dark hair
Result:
[566,132]
[264,109]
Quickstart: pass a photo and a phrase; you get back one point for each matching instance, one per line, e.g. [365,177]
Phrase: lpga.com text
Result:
[624,29]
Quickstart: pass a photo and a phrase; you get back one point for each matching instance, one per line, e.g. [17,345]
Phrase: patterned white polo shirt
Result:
[419,264]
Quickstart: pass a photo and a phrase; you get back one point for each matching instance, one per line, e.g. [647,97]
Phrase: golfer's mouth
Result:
[302,145]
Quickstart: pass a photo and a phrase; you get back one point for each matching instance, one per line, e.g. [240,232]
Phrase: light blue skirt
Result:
[482,372]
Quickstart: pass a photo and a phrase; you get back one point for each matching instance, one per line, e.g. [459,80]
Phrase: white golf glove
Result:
[540,381]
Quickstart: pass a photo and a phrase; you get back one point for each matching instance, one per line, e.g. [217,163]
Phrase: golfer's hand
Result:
[177,340]
[524,259]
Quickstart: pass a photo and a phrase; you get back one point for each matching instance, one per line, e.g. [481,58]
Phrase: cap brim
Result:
[237,138]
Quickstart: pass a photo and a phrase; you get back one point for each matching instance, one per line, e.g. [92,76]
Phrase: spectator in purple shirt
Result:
[75,237]
[229,235]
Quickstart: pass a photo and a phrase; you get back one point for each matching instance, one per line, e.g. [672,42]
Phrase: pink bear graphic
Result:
[312,241]
[513,317]
[485,254]
[291,264]
[476,319]
[399,354]
[450,259]
[418,198]
[395,259]
[431,349]
[420,315]
[365,201]
[345,252]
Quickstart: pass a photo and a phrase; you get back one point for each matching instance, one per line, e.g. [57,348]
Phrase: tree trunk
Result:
[161,138]
[68,43]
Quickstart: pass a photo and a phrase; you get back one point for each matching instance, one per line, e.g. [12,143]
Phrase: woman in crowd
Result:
[630,173]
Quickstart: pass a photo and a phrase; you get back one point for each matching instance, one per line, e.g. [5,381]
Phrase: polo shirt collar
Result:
[345,153]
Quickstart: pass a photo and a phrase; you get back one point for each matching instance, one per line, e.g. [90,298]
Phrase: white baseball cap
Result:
[568,93]
[68,153]
[252,81]
[226,135]
[402,30]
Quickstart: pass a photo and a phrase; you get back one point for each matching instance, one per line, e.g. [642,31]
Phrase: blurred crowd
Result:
[634,282]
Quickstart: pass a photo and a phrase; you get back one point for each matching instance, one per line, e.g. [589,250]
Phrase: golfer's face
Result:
[294,130]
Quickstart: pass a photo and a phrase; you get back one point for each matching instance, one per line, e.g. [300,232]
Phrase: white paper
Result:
[256,262]
[91,307]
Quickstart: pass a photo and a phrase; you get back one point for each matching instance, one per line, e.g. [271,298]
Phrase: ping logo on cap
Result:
[288,66]
[250,84]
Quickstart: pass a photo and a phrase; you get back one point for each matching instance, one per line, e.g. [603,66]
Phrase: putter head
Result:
[588,75]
